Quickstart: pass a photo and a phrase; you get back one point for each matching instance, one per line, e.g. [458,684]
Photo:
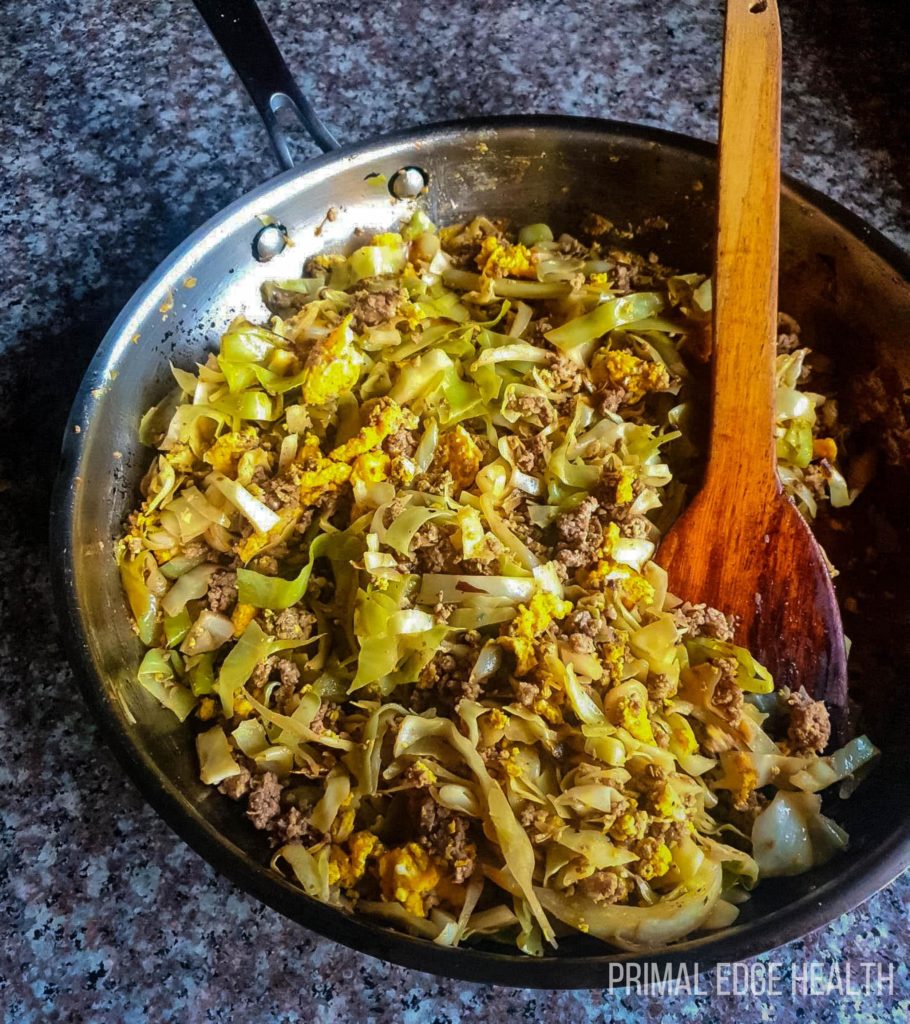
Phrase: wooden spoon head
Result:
[765,567]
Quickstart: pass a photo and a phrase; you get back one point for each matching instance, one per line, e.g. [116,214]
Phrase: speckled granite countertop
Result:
[122,130]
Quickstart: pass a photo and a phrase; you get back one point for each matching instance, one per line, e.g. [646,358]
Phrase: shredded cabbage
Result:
[392,565]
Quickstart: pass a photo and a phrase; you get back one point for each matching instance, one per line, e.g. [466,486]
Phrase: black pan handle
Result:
[241,32]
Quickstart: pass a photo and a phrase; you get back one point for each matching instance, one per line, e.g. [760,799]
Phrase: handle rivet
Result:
[409,182]
[270,242]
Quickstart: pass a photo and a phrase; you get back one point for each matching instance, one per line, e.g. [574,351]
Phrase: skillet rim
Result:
[818,907]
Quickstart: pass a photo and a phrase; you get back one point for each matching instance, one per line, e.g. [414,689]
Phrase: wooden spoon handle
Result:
[742,457]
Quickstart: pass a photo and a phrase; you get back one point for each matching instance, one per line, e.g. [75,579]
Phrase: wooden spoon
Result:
[742,546]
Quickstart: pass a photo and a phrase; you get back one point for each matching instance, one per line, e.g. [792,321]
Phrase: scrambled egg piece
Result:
[498,258]
[371,468]
[548,711]
[356,459]
[389,238]
[346,869]
[654,862]
[633,717]
[385,418]
[636,376]
[629,711]
[633,585]
[332,366]
[242,616]
[682,738]
[497,719]
[624,492]
[636,588]
[598,279]
[629,826]
[206,710]
[180,457]
[316,483]
[253,545]
[225,451]
[528,625]
[458,453]
[512,767]
[739,772]
[407,876]
[613,659]
[326,261]
[344,822]
[824,448]
[664,801]
[421,773]
[242,708]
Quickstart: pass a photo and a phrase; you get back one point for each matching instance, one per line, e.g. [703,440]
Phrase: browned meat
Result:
[289,675]
[262,672]
[660,686]
[372,308]
[281,494]
[572,527]
[787,334]
[236,786]
[700,620]
[565,374]
[570,246]
[810,726]
[669,832]
[402,443]
[579,534]
[534,407]
[264,803]
[728,697]
[446,834]
[290,826]
[635,526]
[605,886]
[527,692]
[596,225]
[294,624]
[581,643]
[582,621]
[433,550]
[445,681]
[222,592]
[610,398]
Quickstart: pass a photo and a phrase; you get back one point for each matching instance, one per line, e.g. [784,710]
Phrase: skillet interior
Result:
[845,284]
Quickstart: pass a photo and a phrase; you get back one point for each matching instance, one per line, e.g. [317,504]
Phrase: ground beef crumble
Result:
[810,726]
[446,834]
[788,331]
[264,801]
[605,886]
[222,592]
[446,680]
[294,624]
[237,786]
[701,620]
[579,534]
[373,308]
[728,696]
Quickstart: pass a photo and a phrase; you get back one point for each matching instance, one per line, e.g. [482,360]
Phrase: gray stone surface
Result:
[123,129]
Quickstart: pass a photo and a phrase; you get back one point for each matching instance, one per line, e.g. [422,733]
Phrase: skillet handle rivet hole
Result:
[269,242]
[409,182]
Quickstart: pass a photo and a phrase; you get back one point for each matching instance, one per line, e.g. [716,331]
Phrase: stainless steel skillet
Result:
[847,285]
